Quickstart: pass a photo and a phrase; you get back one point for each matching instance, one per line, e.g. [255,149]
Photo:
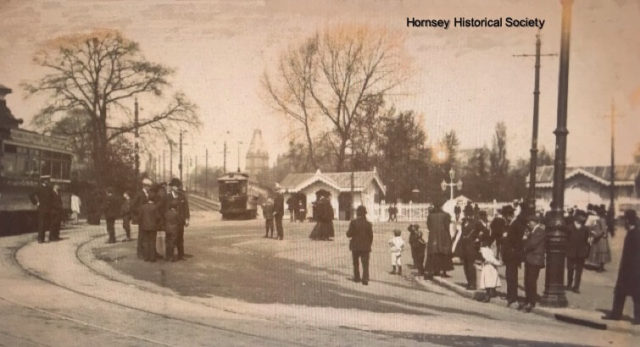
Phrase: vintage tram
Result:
[25,156]
[237,200]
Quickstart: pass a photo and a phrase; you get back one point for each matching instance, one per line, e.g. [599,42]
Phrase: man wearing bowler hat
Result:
[177,200]
[142,197]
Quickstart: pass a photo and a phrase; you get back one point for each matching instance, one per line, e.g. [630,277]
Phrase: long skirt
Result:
[438,262]
[599,253]
[322,231]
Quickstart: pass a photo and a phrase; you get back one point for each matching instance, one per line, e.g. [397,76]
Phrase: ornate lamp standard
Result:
[444,184]
[556,235]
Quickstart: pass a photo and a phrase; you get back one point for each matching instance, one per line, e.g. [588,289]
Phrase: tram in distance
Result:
[24,157]
[237,201]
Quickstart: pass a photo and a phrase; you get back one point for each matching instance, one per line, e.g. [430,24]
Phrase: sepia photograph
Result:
[319,173]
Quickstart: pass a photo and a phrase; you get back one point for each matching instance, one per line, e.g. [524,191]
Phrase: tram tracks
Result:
[13,261]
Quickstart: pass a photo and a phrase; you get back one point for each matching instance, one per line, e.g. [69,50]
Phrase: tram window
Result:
[8,164]
[56,169]
[65,171]
[10,148]
[45,167]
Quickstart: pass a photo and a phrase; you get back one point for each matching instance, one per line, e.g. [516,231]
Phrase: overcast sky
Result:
[465,79]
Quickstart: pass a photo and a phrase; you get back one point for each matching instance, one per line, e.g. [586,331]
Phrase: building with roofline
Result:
[368,190]
[590,185]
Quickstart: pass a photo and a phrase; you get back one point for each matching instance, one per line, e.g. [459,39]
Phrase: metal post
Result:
[534,136]
[612,188]
[164,168]
[136,145]
[180,159]
[533,163]
[206,172]
[239,143]
[195,174]
[556,235]
[170,159]
[224,161]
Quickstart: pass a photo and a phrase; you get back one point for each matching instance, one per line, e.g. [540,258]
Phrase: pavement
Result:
[237,288]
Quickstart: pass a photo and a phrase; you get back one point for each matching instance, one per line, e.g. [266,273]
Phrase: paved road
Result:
[241,289]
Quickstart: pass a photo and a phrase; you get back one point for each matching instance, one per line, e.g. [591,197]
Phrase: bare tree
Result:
[291,95]
[97,73]
[338,76]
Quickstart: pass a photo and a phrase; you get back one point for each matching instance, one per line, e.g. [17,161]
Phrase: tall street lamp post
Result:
[452,184]
[554,295]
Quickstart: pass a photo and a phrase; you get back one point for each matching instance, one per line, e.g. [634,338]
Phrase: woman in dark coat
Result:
[324,215]
[361,234]
[438,243]
[628,283]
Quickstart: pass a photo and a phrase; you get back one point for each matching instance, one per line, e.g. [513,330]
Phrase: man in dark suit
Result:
[111,210]
[42,198]
[361,234]
[278,211]
[628,282]
[142,197]
[577,250]
[178,199]
[534,251]
[512,252]
[57,213]
[498,227]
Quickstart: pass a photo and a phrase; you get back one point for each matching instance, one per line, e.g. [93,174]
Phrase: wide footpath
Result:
[294,291]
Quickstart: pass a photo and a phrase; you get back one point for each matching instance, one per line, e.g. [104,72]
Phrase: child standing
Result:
[126,215]
[418,246]
[489,279]
[397,245]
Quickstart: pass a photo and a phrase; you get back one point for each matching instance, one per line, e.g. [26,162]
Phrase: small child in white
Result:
[489,279]
[397,245]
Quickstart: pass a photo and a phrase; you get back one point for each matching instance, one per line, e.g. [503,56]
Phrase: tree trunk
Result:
[311,155]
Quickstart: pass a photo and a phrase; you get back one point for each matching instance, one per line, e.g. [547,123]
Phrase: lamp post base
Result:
[554,300]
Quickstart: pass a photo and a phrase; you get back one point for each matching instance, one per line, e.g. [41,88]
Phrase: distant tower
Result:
[257,156]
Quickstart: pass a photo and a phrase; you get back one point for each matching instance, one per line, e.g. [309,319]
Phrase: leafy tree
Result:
[476,176]
[93,76]
[404,157]
[499,164]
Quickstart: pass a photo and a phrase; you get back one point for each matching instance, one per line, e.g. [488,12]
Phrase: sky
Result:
[464,79]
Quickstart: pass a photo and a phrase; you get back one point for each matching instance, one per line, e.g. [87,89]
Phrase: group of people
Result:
[158,208]
[48,201]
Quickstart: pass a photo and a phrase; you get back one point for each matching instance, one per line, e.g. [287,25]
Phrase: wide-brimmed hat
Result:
[147,182]
[175,182]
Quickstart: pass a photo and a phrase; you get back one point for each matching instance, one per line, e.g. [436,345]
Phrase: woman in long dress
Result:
[438,243]
[323,229]
[599,253]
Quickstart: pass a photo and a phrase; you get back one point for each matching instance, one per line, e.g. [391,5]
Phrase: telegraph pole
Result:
[170,159]
[239,143]
[195,174]
[224,160]
[533,162]
[180,159]
[206,172]
[136,145]
[164,168]
[554,295]
[612,188]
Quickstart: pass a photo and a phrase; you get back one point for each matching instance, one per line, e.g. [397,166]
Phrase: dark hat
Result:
[175,182]
[507,210]
[580,215]
[361,211]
